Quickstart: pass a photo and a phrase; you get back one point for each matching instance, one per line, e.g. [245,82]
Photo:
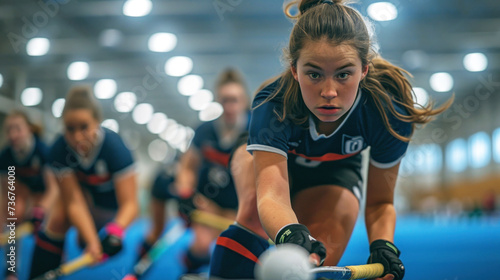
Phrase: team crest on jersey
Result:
[101,168]
[352,144]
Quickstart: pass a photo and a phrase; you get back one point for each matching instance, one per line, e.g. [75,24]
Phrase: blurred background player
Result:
[97,183]
[203,180]
[35,185]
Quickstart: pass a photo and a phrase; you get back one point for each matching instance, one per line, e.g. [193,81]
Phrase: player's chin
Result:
[328,118]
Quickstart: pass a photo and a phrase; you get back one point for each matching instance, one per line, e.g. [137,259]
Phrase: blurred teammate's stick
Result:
[349,272]
[172,236]
[21,231]
[67,268]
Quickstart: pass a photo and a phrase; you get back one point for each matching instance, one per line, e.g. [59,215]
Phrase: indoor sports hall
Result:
[119,122]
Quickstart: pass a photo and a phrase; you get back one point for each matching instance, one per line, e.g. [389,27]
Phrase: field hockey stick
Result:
[67,268]
[160,247]
[210,220]
[21,231]
[349,272]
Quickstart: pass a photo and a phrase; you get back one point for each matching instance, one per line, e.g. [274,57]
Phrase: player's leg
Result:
[238,247]
[18,211]
[158,219]
[330,213]
[49,242]
[325,198]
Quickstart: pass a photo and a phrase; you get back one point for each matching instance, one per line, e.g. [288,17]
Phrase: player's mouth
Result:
[328,109]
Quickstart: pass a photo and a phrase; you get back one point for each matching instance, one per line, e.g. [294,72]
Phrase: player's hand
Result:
[95,250]
[111,240]
[186,205]
[37,215]
[386,253]
[300,235]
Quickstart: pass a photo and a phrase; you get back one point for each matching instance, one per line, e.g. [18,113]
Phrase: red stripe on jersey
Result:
[48,247]
[92,179]
[236,247]
[215,156]
[325,157]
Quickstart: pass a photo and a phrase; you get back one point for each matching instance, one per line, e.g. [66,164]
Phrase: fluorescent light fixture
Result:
[178,66]
[125,102]
[200,100]
[422,97]
[382,11]
[105,88]
[38,46]
[57,107]
[190,84]
[441,82]
[137,8]
[111,124]
[31,96]
[78,70]
[157,123]
[142,113]
[158,150]
[475,62]
[162,42]
[211,112]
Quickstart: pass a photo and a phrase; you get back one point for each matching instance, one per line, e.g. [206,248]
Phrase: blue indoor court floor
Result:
[432,249]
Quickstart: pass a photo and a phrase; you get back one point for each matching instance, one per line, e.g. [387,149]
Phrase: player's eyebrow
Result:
[310,64]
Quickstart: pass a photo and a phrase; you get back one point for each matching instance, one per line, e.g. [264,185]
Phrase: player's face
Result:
[329,77]
[18,132]
[233,100]
[80,130]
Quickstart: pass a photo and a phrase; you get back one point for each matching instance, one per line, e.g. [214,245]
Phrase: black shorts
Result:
[162,189]
[346,173]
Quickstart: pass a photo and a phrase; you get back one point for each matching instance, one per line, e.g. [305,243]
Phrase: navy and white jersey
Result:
[110,158]
[214,179]
[363,127]
[29,169]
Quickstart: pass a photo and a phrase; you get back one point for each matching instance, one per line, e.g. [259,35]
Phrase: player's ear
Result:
[364,71]
[293,69]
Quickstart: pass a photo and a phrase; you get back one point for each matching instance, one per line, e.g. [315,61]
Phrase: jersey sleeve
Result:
[59,157]
[387,150]
[118,156]
[267,132]
[199,136]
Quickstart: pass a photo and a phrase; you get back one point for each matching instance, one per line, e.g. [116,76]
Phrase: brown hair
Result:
[36,129]
[81,97]
[340,24]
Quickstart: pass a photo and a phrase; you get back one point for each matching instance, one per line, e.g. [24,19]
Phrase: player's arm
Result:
[126,194]
[78,212]
[273,193]
[380,215]
[52,190]
[380,220]
[187,174]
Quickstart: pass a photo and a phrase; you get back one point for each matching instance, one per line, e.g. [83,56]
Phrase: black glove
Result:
[300,235]
[386,253]
[112,240]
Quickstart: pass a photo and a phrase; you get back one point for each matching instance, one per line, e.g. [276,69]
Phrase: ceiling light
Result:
[142,113]
[422,97]
[190,84]
[111,124]
[157,123]
[105,88]
[78,71]
[125,102]
[31,96]
[57,107]
[211,112]
[162,42]
[178,66]
[200,100]
[441,82]
[475,62]
[137,8]
[38,46]
[382,11]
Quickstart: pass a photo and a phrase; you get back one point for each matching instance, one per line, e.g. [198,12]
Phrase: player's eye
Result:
[314,75]
[343,76]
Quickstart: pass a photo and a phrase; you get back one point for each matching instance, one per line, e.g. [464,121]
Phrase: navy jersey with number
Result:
[29,170]
[215,181]
[363,127]
[110,158]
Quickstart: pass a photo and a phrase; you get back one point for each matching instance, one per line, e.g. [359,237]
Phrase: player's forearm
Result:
[80,217]
[186,181]
[275,213]
[380,220]
[49,197]
[127,213]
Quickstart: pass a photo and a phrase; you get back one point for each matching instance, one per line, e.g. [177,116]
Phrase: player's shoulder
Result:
[265,92]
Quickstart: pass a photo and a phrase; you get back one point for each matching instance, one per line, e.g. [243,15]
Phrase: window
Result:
[479,150]
[456,155]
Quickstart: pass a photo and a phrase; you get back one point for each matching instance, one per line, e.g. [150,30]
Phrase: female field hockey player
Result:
[203,179]
[308,127]
[34,186]
[97,183]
